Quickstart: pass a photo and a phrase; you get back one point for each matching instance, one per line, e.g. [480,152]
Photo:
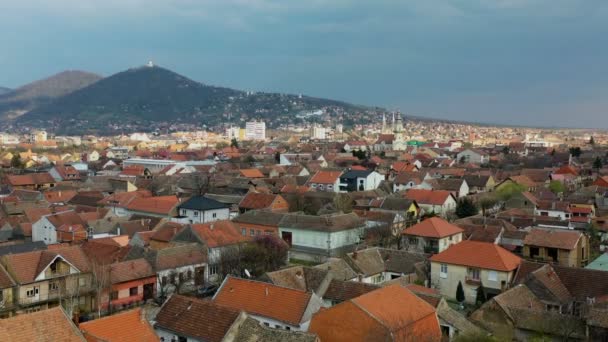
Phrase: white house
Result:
[360,180]
[473,156]
[59,227]
[180,268]
[200,209]
[312,237]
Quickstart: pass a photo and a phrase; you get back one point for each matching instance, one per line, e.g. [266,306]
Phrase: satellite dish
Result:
[247,273]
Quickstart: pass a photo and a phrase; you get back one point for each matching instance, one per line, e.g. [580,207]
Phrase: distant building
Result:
[318,133]
[233,133]
[255,130]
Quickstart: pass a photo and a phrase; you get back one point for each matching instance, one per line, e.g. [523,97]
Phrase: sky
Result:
[526,62]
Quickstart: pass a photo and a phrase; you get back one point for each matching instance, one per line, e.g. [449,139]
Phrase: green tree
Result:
[575,151]
[557,187]
[508,190]
[465,208]
[480,298]
[16,161]
[460,293]
[234,143]
[486,203]
[597,163]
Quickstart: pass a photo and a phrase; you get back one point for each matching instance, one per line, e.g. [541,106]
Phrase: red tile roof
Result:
[162,205]
[45,325]
[484,255]
[325,177]
[431,197]
[125,326]
[263,299]
[30,179]
[553,238]
[257,200]
[433,227]
[219,233]
[251,173]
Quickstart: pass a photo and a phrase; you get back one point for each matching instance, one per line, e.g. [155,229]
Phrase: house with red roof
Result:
[125,283]
[602,182]
[392,313]
[257,201]
[558,246]
[64,173]
[433,235]
[157,206]
[440,202]
[273,306]
[130,325]
[32,181]
[473,264]
[325,180]
[65,226]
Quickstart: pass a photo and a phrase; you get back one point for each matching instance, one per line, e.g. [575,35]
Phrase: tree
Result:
[277,157]
[234,143]
[486,203]
[343,203]
[480,298]
[267,253]
[460,293]
[505,150]
[508,190]
[557,187]
[359,154]
[597,163]
[575,151]
[16,161]
[465,208]
[591,141]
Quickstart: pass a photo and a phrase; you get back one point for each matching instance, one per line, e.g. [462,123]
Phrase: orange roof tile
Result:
[30,179]
[122,327]
[422,196]
[433,227]
[263,299]
[157,205]
[325,177]
[554,238]
[251,173]
[256,200]
[484,255]
[46,325]
[219,233]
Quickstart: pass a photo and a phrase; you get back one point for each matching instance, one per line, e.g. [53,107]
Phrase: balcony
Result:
[469,280]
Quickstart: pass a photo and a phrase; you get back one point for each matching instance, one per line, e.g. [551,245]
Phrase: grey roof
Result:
[323,223]
[264,218]
[395,203]
[202,203]
[251,331]
[356,174]
[375,260]
[23,248]
[338,269]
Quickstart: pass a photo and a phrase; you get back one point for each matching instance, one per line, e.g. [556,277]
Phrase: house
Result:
[384,143]
[377,265]
[32,181]
[43,325]
[303,278]
[44,277]
[353,145]
[7,290]
[392,313]
[191,319]
[158,206]
[163,234]
[200,209]
[267,303]
[473,157]
[260,222]
[125,283]
[457,186]
[601,182]
[130,325]
[479,183]
[522,181]
[325,180]
[408,180]
[433,235]
[564,247]
[360,180]
[558,209]
[408,208]
[64,173]
[258,200]
[222,239]
[178,269]
[473,264]
[247,329]
[440,202]
[340,291]
[251,173]
[312,237]
[65,226]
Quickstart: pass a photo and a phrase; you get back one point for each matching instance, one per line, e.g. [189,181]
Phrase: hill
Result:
[4,90]
[140,96]
[38,93]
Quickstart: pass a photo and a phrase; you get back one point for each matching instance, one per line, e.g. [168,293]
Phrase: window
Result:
[195,213]
[183,212]
[133,291]
[214,215]
[287,328]
[243,231]
[189,274]
[443,272]
[252,232]
[258,232]
[32,292]
[114,295]
[267,324]
[82,282]
[493,276]
[413,241]
[53,286]
[82,301]
[474,273]
[212,269]
[277,326]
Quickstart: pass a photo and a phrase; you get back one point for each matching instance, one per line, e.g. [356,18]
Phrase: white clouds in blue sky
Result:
[496,60]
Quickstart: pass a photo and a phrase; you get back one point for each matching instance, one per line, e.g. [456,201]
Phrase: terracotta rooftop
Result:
[162,205]
[433,227]
[325,177]
[256,200]
[196,318]
[219,233]
[45,325]
[30,179]
[478,254]
[251,173]
[263,299]
[553,238]
[124,326]
[429,197]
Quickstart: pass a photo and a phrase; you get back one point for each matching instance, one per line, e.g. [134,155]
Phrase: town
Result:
[384,229]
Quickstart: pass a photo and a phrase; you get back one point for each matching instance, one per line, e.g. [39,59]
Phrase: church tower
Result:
[399,143]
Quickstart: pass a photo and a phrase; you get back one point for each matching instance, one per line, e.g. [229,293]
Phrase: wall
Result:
[197,216]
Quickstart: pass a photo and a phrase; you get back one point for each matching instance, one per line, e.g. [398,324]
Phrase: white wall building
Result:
[255,130]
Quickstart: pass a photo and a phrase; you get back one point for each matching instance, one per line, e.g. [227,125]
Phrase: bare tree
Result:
[100,283]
